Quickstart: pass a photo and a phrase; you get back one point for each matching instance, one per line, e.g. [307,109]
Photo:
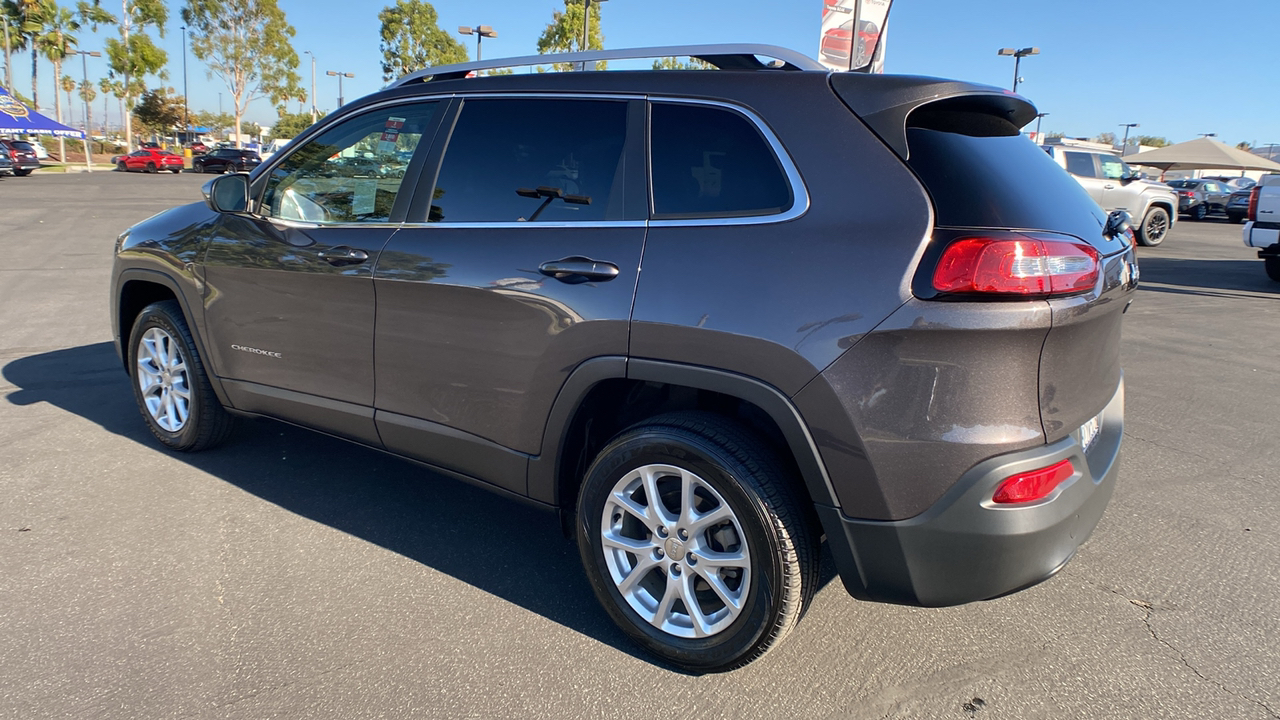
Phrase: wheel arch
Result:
[605,395]
[138,288]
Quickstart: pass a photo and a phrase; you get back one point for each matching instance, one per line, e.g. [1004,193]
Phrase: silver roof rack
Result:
[736,56]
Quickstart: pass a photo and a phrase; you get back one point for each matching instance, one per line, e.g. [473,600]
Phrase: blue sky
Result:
[1178,67]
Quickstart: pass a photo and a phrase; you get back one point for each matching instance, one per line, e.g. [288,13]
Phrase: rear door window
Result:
[533,160]
[1080,164]
[709,162]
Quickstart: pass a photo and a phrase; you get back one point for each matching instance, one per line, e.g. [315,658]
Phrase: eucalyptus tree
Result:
[134,55]
[564,32]
[412,39]
[248,44]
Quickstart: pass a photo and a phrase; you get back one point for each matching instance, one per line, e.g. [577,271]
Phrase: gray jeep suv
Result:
[709,317]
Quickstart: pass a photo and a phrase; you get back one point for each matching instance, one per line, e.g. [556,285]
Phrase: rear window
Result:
[22,145]
[1183,183]
[998,181]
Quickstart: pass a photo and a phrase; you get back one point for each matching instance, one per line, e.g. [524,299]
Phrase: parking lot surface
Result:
[288,574]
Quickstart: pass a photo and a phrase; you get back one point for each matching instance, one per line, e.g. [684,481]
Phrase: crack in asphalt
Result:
[1147,611]
[1230,472]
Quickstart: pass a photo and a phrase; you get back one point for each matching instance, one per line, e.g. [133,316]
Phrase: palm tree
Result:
[29,17]
[68,85]
[56,43]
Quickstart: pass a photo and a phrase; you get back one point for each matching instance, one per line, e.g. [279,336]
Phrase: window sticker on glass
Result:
[364,197]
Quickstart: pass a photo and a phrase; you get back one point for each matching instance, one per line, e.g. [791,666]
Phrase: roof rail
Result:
[737,56]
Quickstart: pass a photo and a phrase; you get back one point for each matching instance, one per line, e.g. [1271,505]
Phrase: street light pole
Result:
[340,75]
[1039,117]
[88,131]
[313,85]
[586,28]
[481,32]
[1017,59]
[1124,144]
[186,108]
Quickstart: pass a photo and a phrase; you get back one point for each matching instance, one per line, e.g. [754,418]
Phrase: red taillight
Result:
[1019,265]
[1253,203]
[1034,485]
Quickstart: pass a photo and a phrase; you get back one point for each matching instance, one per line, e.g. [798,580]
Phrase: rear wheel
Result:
[22,173]
[170,384]
[229,168]
[1273,267]
[151,167]
[1235,219]
[1198,212]
[696,542]
[1154,228]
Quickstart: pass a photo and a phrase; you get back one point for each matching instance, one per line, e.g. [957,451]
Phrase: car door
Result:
[289,300]
[519,263]
[1085,169]
[1117,192]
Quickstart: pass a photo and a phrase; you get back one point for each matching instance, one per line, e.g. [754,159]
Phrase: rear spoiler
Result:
[886,104]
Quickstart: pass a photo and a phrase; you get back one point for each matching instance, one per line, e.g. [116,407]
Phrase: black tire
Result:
[1235,219]
[1272,265]
[22,173]
[1198,212]
[197,167]
[1154,227]
[207,423]
[777,531]
[229,168]
[122,167]
[151,167]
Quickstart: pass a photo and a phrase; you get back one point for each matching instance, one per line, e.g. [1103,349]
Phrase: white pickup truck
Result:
[1262,230]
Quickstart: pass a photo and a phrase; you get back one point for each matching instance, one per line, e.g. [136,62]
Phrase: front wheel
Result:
[170,384]
[1198,212]
[122,167]
[1154,228]
[696,541]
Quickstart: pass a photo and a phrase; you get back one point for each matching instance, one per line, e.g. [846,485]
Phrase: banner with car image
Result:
[853,34]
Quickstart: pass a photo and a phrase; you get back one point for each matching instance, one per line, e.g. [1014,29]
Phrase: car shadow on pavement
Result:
[502,547]
[1191,276]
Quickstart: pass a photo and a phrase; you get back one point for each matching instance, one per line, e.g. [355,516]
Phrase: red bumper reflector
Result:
[1034,485]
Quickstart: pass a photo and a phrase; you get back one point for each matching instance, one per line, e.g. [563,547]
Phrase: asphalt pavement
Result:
[290,575]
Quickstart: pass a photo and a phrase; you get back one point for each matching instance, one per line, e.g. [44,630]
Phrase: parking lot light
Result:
[1124,145]
[339,75]
[1017,60]
[481,32]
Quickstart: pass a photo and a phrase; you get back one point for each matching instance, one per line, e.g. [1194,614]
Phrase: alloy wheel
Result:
[676,551]
[163,380]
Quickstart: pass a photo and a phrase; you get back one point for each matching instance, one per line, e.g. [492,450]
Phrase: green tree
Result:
[87,94]
[27,17]
[1154,141]
[246,43]
[1244,145]
[412,40]
[68,85]
[1108,138]
[564,33]
[159,111]
[134,55]
[56,42]
[290,125]
[674,63]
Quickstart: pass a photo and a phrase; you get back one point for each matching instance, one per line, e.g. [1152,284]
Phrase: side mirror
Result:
[1118,223]
[227,193]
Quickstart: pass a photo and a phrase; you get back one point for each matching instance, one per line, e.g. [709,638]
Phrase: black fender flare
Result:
[544,469]
[155,277]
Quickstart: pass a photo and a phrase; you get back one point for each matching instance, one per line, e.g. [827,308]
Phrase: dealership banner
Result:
[853,34]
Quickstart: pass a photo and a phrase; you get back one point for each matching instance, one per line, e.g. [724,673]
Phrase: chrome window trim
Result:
[799,192]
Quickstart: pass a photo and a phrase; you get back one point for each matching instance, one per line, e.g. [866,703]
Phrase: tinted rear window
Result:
[1002,181]
[23,146]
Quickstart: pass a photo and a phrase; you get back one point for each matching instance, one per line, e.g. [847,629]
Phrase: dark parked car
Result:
[1200,198]
[1238,205]
[226,160]
[22,156]
[869,309]
[1235,182]
[6,164]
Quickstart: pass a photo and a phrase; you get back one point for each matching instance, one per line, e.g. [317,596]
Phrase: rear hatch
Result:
[990,184]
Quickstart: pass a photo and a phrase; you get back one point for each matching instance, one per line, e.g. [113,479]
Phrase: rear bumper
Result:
[1258,236]
[965,548]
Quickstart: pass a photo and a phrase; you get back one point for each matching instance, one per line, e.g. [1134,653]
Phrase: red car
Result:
[150,160]
[198,148]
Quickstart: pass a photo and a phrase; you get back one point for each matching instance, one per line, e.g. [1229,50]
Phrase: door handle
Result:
[1108,187]
[577,269]
[343,255]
